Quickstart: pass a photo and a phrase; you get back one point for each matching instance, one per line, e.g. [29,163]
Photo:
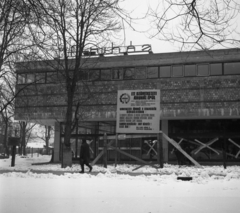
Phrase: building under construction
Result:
[199,103]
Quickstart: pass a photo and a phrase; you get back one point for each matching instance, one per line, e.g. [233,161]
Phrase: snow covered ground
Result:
[116,189]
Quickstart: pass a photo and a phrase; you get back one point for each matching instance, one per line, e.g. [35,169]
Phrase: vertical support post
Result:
[116,153]
[160,150]
[224,150]
[164,128]
[62,144]
[57,140]
[13,156]
[97,148]
[105,150]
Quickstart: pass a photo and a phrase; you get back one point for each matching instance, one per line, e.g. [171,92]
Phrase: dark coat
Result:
[85,152]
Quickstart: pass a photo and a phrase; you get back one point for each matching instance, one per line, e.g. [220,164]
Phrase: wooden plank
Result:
[123,147]
[100,154]
[192,142]
[140,166]
[134,157]
[129,136]
[178,144]
[205,135]
[97,158]
[205,145]
[235,145]
[178,147]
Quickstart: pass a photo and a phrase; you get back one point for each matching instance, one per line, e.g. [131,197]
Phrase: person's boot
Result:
[82,167]
[90,168]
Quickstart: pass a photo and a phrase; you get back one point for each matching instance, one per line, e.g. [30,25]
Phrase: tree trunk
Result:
[67,156]
[5,141]
[23,138]
[47,137]
[67,152]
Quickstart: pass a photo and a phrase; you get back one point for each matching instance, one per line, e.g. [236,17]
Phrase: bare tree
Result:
[26,129]
[7,118]
[7,93]
[65,29]
[45,133]
[197,24]
[14,15]
[7,88]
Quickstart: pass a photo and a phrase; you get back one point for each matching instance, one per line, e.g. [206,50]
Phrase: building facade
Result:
[199,102]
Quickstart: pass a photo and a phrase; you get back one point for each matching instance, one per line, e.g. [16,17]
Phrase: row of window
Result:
[137,73]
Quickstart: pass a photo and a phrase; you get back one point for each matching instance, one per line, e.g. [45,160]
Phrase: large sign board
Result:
[138,111]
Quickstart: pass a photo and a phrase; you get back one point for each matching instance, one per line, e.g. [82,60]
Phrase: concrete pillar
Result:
[56,142]
[164,128]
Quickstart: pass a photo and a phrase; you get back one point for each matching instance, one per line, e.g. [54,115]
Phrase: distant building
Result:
[199,102]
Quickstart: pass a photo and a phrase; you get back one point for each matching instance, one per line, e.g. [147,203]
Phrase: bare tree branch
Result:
[197,24]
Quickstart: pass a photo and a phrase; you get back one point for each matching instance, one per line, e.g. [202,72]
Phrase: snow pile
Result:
[121,171]
[35,145]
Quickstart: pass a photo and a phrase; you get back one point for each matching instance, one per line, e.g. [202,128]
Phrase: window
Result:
[21,78]
[190,70]
[232,68]
[202,70]
[40,78]
[140,72]
[106,74]
[152,72]
[165,71]
[128,73]
[94,75]
[216,69]
[117,73]
[30,78]
[177,71]
[52,77]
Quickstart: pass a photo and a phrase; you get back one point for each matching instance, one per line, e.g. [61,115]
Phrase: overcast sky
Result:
[141,36]
[143,29]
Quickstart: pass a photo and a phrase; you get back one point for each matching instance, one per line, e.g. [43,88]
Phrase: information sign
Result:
[13,141]
[138,111]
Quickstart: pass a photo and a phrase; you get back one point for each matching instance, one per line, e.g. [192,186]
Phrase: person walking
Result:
[85,156]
